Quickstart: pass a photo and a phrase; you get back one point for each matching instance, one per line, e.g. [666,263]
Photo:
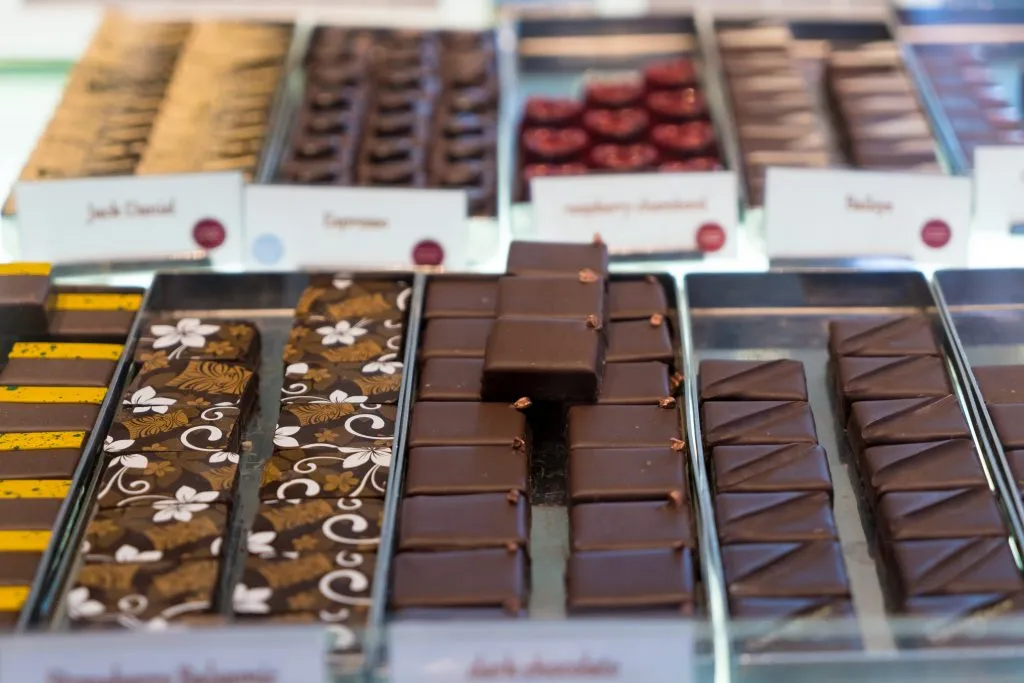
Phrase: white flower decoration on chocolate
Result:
[129,553]
[186,501]
[339,396]
[79,604]
[223,456]
[296,370]
[342,282]
[111,446]
[187,333]
[380,455]
[132,461]
[284,437]
[251,600]
[403,298]
[343,332]
[259,542]
[145,400]
[386,364]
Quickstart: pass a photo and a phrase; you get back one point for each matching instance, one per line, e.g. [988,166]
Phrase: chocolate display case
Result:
[869,599]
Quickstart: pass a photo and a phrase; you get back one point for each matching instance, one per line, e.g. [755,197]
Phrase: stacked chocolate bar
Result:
[50,396]
[95,314]
[215,116]
[654,120]
[1002,387]
[167,488]
[880,121]
[101,126]
[773,497]
[776,116]
[312,548]
[399,108]
[940,529]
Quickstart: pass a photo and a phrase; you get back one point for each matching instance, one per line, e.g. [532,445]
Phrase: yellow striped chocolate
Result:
[40,441]
[14,394]
[98,302]
[66,351]
[12,598]
[24,541]
[34,488]
[25,268]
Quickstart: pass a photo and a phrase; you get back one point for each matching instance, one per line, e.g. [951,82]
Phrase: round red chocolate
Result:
[624,157]
[673,73]
[694,164]
[535,170]
[554,144]
[684,104]
[551,111]
[616,125]
[684,138]
[613,95]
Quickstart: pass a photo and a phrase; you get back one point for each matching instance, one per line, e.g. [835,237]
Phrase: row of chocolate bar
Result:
[399,108]
[51,388]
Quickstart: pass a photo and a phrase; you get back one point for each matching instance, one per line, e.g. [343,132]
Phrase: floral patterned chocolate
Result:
[224,340]
[344,298]
[286,528]
[182,428]
[133,478]
[182,527]
[151,596]
[374,346]
[324,383]
[161,384]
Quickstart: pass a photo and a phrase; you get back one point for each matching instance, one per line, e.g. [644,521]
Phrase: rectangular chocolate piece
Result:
[556,360]
[892,336]
[637,383]
[31,514]
[1008,419]
[467,424]
[555,298]
[169,339]
[19,567]
[132,478]
[606,426]
[636,299]
[757,423]
[465,469]
[367,343]
[49,409]
[953,566]
[461,298]
[786,467]
[378,382]
[25,298]
[631,579]
[617,474]
[47,364]
[337,298]
[796,624]
[190,382]
[639,340]
[785,570]
[984,619]
[40,455]
[94,314]
[456,338]
[634,525]
[909,420]
[181,428]
[953,513]
[451,379]
[181,527]
[462,522]
[774,517]
[865,378]
[495,578]
[330,583]
[556,258]
[285,527]
[937,465]
[1000,383]
[752,380]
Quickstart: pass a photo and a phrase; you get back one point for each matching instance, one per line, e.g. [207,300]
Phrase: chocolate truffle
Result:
[465,578]
[774,517]
[635,525]
[461,298]
[626,474]
[631,579]
[785,570]
[758,423]
[467,424]
[465,469]
[753,380]
[639,340]
[605,426]
[462,522]
[904,336]
[787,467]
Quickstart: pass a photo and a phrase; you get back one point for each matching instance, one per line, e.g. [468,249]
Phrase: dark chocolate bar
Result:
[634,525]
[787,467]
[631,579]
[461,522]
[774,517]
[746,380]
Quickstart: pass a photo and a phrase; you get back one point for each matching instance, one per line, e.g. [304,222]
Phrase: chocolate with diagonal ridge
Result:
[908,420]
[758,422]
[789,467]
[796,624]
[862,379]
[910,335]
[753,380]
[965,619]
[936,465]
[785,570]
[955,513]
[772,517]
[951,566]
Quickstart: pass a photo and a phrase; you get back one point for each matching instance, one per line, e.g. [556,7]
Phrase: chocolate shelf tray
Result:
[762,316]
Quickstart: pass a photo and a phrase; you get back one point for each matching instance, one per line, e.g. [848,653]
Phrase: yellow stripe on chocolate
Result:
[23,541]
[34,488]
[40,441]
[25,268]
[12,598]
[14,394]
[98,302]
[66,351]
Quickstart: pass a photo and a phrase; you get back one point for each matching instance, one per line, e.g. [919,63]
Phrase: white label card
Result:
[818,213]
[131,218]
[999,189]
[640,212]
[252,655]
[615,651]
[290,227]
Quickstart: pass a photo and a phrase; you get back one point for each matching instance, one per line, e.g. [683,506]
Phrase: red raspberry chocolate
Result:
[680,140]
[613,95]
[555,144]
[536,170]
[616,125]
[550,111]
[677,106]
[694,164]
[669,74]
[624,157]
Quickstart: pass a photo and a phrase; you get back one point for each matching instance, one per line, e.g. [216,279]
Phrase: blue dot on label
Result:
[268,249]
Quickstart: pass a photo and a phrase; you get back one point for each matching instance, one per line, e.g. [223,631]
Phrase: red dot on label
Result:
[710,237]
[209,233]
[427,253]
[936,234]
